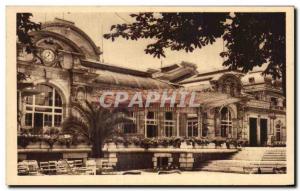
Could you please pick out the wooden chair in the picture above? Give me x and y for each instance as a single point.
(52, 167)
(44, 167)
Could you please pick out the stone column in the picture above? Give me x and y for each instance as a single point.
(112, 158)
(199, 119)
(186, 161)
(145, 122)
(160, 123)
(234, 128)
(258, 131)
(177, 123)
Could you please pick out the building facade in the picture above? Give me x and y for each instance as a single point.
(67, 69)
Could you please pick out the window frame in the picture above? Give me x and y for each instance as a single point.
(31, 107)
(193, 127)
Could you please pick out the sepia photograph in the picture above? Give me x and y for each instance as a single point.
(150, 96)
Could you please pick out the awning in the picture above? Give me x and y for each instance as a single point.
(30, 92)
(210, 98)
(23, 85)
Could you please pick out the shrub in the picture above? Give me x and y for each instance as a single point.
(175, 141)
(242, 142)
(218, 141)
(119, 140)
(50, 141)
(23, 141)
(52, 131)
(135, 140)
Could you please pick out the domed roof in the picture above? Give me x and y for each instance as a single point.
(74, 34)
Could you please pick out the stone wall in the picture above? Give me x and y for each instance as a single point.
(132, 161)
(199, 158)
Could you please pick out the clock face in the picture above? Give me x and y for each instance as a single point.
(48, 55)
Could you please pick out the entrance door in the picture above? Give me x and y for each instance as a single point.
(38, 122)
(253, 131)
(152, 131)
(263, 132)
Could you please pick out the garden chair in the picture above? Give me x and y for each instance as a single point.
(61, 167)
(23, 168)
(32, 166)
(52, 167)
(78, 163)
(106, 168)
(44, 167)
(91, 166)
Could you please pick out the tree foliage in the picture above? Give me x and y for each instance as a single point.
(95, 124)
(250, 39)
(24, 27)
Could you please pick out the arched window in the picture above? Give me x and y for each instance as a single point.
(226, 122)
(44, 109)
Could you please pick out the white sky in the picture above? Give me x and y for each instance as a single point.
(129, 53)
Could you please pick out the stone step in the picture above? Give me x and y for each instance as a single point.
(234, 166)
(236, 163)
(224, 169)
(274, 155)
(249, 160)
(277, 159)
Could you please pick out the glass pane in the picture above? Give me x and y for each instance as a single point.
(57, 120)
(58, 110)
(29, 100)
(48, 120)
(189, 131)
(195, 132)
(150, 115)
(58, 101)
(42, 109)
(45, 97)
(28, 119)
(169, 116)
(29, 108)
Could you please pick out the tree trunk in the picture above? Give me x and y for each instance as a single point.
(97, 149)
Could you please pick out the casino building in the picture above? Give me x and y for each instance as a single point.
(67, 69)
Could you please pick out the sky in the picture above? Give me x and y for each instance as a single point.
(129, 53)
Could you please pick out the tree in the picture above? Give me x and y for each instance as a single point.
(250, 39)
(24, 27)
(95, 124)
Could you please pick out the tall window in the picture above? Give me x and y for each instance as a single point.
(129, 128)
(226, 122)
(278, 132)
(151, 125)
(44, 109)
(192, 127)
(169, 124)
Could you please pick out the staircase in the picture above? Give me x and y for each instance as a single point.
(274, 155)
(250, 160)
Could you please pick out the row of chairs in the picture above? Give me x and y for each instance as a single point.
(68, 167)
(57, 167)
